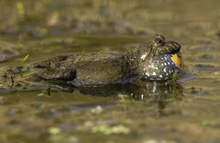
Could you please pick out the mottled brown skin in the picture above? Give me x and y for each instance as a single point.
(89, 69)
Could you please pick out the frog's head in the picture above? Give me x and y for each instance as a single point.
(159, 59)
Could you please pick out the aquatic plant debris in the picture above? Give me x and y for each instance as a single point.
(54, 130)
(97, 110)
(21, 65)
(21, 10)
(23, 60)
(108, 130)
(174, 77)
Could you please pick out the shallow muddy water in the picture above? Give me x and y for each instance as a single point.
(188, 112)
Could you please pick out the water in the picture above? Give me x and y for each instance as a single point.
(49, 28)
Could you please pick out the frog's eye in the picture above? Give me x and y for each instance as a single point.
(159, 40)
(158, 43)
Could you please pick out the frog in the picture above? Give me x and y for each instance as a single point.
(155, 61)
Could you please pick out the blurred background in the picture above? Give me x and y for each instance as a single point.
(49, 17)
(103, 24)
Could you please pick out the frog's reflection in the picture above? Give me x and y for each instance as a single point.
(157, 94)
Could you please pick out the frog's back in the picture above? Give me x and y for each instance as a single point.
(90, 69)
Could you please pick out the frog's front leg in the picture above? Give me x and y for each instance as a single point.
(59, 73)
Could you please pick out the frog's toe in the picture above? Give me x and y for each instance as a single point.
(70, 74)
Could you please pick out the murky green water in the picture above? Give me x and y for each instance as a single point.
(44, 29)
